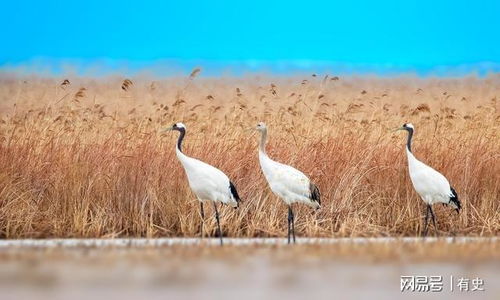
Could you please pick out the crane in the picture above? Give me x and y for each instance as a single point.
(286, 182)
(206, 181)
(431, 185)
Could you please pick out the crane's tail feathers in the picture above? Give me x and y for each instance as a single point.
(454, 202)
(314, 194)
(234, 193)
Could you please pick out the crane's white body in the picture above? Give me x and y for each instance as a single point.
(431, 185)
(206, 181)
(286, 182)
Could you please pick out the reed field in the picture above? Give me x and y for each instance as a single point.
(83, 157)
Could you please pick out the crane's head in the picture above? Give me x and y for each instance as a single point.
(407, 127)
(261, 127)
(176, 126)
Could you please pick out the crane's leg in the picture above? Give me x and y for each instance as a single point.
(202, 213)
(218, 222)
(426, 220)
(433, 219)
(293, 224)
(289, 222)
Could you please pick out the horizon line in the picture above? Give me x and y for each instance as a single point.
(212, 68)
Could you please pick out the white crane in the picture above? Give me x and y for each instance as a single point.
(207, 182)
(286, 182)
(431, 185)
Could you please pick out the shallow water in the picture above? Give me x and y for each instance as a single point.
(161, 271)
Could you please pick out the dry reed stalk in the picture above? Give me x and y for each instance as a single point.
(127, 84)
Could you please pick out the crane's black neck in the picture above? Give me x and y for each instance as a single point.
(182, 132)
(410, 135)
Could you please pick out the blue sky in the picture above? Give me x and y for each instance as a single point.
(407, 35)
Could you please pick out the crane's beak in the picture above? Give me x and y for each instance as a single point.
(397, 129)
(166, 129)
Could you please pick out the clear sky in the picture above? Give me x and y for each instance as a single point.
(387, 33)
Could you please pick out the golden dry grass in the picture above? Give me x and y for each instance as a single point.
(82, 157)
